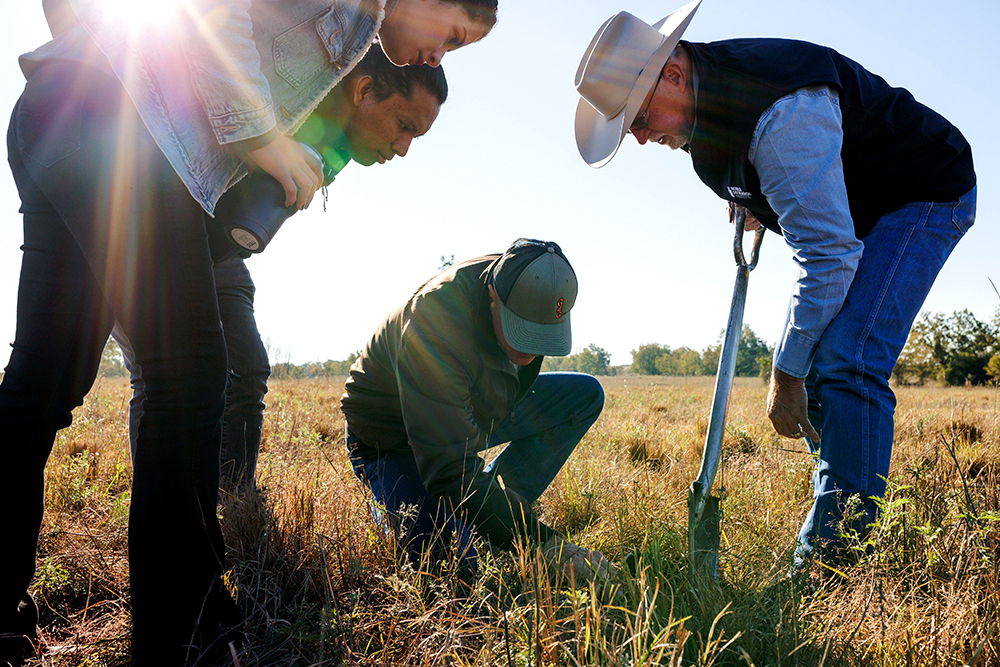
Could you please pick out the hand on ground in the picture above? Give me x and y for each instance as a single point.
(579, 564)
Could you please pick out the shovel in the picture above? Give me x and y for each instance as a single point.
(704, 513)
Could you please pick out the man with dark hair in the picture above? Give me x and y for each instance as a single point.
(376, 112)
(372, 116)
(452, 372)
(387, 79)
(870, 189)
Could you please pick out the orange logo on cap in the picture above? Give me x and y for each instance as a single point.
(559, 305)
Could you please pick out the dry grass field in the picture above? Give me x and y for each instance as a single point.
(316, 572)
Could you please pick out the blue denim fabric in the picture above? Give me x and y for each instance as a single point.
(542, 430)
(851, 403)
(267, 65)
(108, 235)
(248, 373)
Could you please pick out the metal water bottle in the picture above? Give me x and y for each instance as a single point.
(251, 212)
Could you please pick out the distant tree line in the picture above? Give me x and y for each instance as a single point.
(753, 358)
(314, 369)
(955, 350)
(592, 360)
(113, 364)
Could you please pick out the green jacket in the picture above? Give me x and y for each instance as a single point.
(434, 379)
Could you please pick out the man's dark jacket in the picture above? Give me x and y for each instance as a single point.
(433, 379)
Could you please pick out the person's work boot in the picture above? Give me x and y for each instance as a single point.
(19, 635)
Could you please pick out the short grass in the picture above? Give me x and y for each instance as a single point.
(316, 572)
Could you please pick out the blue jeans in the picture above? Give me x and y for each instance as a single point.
(543, 429)
(248, 373)
(851, 404)
(110, 232)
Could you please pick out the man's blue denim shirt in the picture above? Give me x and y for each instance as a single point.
(796, 152)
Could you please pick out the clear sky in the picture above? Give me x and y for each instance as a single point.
(649, 242)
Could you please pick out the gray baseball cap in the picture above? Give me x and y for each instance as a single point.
(537, 288)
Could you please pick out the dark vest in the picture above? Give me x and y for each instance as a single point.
(895, 149)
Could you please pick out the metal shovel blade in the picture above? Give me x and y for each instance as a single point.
(704, 538)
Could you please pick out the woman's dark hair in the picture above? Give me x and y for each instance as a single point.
(387, 79)
(484, 11)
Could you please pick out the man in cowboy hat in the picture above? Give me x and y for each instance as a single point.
(454, 371)
(870, 189)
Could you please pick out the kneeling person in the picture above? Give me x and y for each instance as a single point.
(454, 371)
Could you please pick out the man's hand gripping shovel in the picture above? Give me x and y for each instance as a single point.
(704, 513)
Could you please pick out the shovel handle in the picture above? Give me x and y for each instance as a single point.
(700, 536)
(738, 216)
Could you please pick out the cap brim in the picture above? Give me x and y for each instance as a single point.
(597, 136)
(550, 340)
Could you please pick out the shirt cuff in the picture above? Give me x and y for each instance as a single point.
(243, 125)
(794, 354)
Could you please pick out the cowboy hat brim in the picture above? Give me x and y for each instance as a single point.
(598, 136)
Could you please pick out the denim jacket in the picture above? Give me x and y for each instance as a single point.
(236, 71)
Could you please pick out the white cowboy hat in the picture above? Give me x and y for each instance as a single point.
(617, 71)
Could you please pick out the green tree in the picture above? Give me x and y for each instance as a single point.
(682, 361)
(645, 356)
(916, 363)
(749, 352)
(112, 361)
(993, 368)
(664, 364)
(752, 356)
(558, 365)
(333, 368)
(956, 349)
(687, 362)
(765, 362)
(287, 371)
(965, 348)
(710, 359)
(592, 360)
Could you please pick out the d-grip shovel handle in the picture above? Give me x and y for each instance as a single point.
(738, 216)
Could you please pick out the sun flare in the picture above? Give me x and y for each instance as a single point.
(140, 14)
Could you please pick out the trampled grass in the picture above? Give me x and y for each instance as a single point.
(316, 572)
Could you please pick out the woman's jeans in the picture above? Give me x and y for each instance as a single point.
(543, 429)
(851, 404)
(248, 372)
(110, 232)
